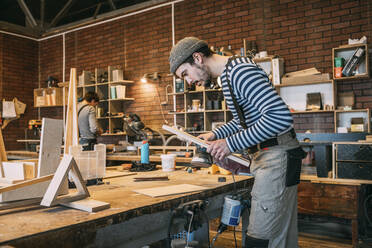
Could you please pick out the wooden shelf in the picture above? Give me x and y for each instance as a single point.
(121, 99)
(108, 105)
(122, 82)
(215, 110)
(359, 76)
(176, 113)
(195, 112)
(112, 134)
(175, 94)
(195, 92)
(312, 112)
(352, 110)
(305, 83)
(214, 90)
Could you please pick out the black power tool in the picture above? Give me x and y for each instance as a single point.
(201, 158)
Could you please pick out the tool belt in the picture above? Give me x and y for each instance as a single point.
(281, 139)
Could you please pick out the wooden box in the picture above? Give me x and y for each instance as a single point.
(45, 97)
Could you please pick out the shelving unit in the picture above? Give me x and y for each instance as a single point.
(294, 95)
(201, 118)
(343, 117)
(346, 52)
(108, 105)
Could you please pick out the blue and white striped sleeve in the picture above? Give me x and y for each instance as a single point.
(226, 130)
(252, 83)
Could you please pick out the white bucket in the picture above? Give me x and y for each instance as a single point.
(168, 162)
(231, 211)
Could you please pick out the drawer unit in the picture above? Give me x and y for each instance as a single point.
(352, 160)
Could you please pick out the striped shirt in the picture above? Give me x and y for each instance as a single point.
(266, 115)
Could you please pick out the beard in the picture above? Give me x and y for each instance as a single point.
(203, 74)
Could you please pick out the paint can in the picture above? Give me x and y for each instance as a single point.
(231, 211)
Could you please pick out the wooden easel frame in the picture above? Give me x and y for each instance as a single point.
(67, 165)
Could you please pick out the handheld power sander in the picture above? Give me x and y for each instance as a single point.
(201, 158)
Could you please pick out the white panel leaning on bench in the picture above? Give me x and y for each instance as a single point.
(68, 165)
(14, 170)
(50, 146)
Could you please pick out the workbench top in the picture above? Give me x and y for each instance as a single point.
(18, 226)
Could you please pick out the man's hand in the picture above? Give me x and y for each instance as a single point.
(207, 136)
(218, 149)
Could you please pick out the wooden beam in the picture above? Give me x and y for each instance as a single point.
(27, 13)
(42, 13)
(111, 4)
(3, 156)
(97, 10)
(26, 183)
(71, 128)
(61, 13)
(20, 30)
(104, 16)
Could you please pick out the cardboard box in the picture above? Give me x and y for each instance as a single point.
(357, 124)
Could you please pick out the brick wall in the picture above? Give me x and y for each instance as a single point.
(302, 32)
(19, 62)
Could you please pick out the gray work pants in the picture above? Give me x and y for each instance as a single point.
(273, 214)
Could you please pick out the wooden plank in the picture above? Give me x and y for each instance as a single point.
(50, 146)
(310, 71)
(301, 80)
(3, 156)
(26, 183)
(114, 174)
(170, 190)
(88, 205)
(30, 170)
(202, 143)
(21, 203)
(67, 165)
(158, 178)
(71, 129)
(7, 181)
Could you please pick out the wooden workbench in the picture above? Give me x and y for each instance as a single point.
(331, 197)
(133, 220)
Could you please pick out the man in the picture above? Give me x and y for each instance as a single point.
(88, 128)
(262, 124)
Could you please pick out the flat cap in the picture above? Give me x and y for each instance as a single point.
(184, 49)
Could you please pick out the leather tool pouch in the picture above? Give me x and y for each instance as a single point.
(294, 162)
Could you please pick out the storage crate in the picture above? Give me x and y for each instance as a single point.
(45, 97)
(92, 164)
